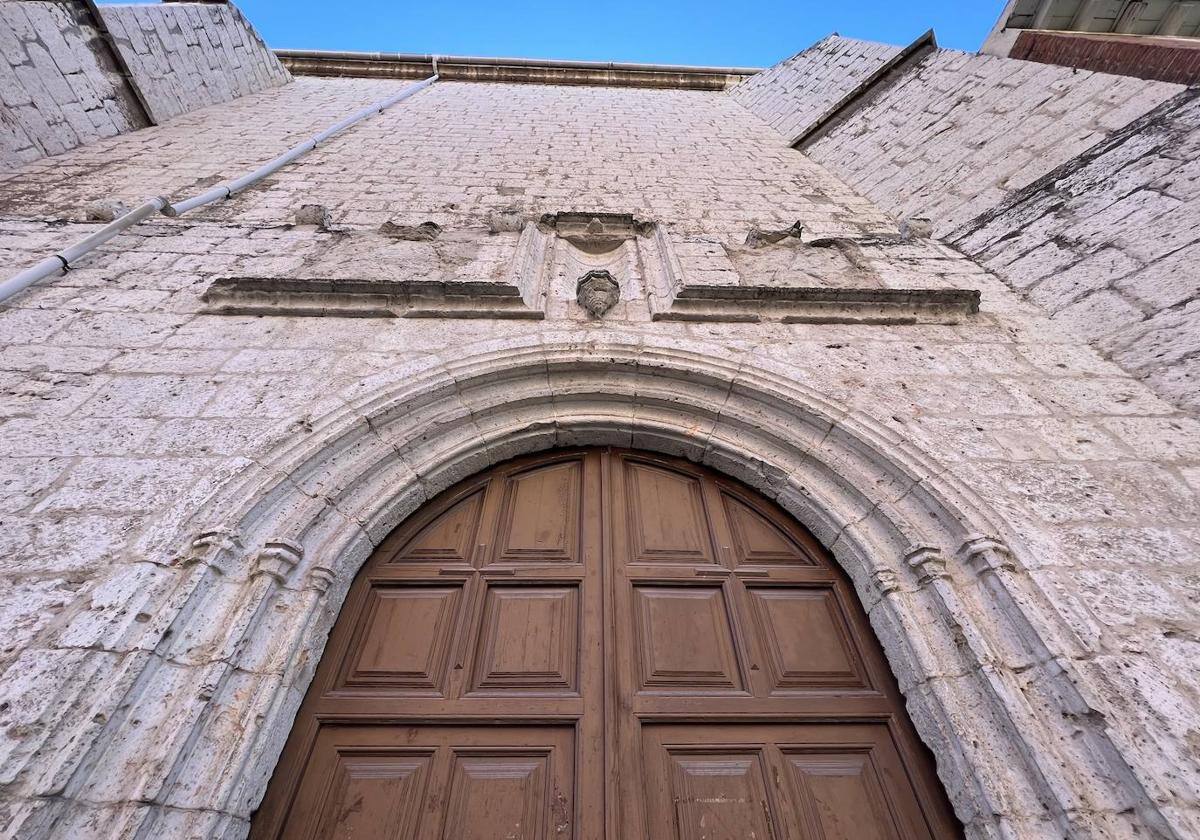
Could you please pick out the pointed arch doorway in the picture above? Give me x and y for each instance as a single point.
(602, 643)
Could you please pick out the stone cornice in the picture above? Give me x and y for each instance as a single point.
(452, 68)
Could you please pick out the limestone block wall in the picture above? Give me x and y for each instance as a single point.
(404, 167)
(1073, 186)
(795, 93)
(1109, 244)
(59, 87)
(188, 55)
(150, 667)
(951, 136)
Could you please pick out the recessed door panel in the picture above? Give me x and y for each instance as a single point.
(841, 795)
(497, 794)
(404, 638)
(375, 794)
(529, 639)
(758, 540)
(685, 639)
(718, 795)
(806, 638)
(449, 538)
(666, 516)
(540, 515)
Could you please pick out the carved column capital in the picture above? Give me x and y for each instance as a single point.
(216, 547)
(277, 558)
(928, 562)
(319, 579)
(985, 554)
(886, 580)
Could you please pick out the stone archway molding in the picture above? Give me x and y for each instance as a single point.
(214, 665)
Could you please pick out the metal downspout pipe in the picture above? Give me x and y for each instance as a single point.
(64, 259)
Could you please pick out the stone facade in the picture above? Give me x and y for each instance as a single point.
(1049, 175)
(59, 85)
(62, 86)
(187, 493)
(1079, 244)
(951, 136)
(184, 56)
(796, 93)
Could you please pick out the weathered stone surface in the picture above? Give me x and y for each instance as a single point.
(953, 135)
(314, 214)
(1104, 245)
(62, 89)
(188, 495)
(795, 93)
(188, 55)
(973, 142)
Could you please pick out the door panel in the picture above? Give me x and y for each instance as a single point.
(449, 538)
(528, 639)
(496, 793)
(757, 540)
(436, 782)
(806, 641)
(540, 515)
(712, 795)
(403, 640)
(372, 793)
(602, 645)
(685, 641)
(666, 516)
(841, 794)
(781, 782)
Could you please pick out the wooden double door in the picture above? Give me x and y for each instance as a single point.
(602, 644)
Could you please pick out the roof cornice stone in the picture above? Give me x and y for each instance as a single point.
(453, 68)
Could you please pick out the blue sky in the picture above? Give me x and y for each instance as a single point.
(674, 31)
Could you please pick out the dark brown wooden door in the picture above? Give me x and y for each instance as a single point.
(602, 644)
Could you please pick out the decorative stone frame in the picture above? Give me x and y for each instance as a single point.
(221, 643)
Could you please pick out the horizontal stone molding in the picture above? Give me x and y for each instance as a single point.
(509, 70)
(821, 305)
(350, 298)
(521, 295)
(676, 294)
